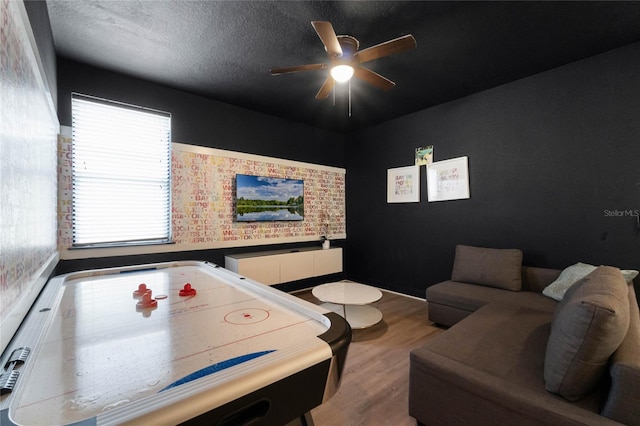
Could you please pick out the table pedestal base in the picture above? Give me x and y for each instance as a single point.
(358, 316)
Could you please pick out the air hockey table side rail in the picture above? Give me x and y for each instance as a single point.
(273, 389)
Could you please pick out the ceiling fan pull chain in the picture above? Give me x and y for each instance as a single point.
(349, 98)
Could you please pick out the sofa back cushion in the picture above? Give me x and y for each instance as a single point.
(499, 268)
(537, 279)
(588, 326)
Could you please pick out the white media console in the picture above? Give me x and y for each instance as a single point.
(281, 266)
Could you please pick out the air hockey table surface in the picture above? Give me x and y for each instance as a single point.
(205, 344)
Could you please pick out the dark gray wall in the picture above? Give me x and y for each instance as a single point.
(548, 155)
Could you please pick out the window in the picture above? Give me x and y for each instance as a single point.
(121, 174)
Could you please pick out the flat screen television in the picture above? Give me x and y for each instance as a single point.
(262, 198)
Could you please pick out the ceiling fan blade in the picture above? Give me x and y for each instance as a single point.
(326, 88)
(373, 78)
(387, 48)
(328, 36)
(309, 67)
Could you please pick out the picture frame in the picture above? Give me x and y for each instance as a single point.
(403, 184)
(424, 155)
(448, 180)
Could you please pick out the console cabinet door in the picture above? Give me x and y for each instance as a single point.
(327, 261)
(264, 269)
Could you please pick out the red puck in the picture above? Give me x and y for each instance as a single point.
(147, 302)
(187, 290)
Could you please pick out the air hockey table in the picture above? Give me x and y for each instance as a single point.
(170, 343)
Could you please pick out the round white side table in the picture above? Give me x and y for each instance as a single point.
(351, 300)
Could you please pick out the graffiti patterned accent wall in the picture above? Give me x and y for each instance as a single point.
(203, 194)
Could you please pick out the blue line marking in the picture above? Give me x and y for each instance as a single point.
(214, 368)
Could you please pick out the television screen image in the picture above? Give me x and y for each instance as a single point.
(261, 198)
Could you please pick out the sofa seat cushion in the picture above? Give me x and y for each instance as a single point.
(493, 361)
(471, 297)
(499, 268)
(589, 324)
(503, 339)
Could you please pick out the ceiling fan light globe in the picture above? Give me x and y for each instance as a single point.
(342, 73)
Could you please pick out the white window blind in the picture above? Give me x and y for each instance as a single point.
(121, 174)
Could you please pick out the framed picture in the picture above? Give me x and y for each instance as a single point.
(403, 185)
(424, 155)
(448, 180)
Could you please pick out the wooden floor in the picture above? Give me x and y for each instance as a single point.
(375, 383)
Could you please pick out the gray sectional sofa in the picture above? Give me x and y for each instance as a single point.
(514, 356)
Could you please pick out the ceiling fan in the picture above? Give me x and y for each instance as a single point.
(345, 58)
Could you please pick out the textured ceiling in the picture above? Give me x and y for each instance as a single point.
(225, 49)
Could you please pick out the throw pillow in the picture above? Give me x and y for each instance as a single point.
(569, 276)
(588, 326)
(499, 268)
